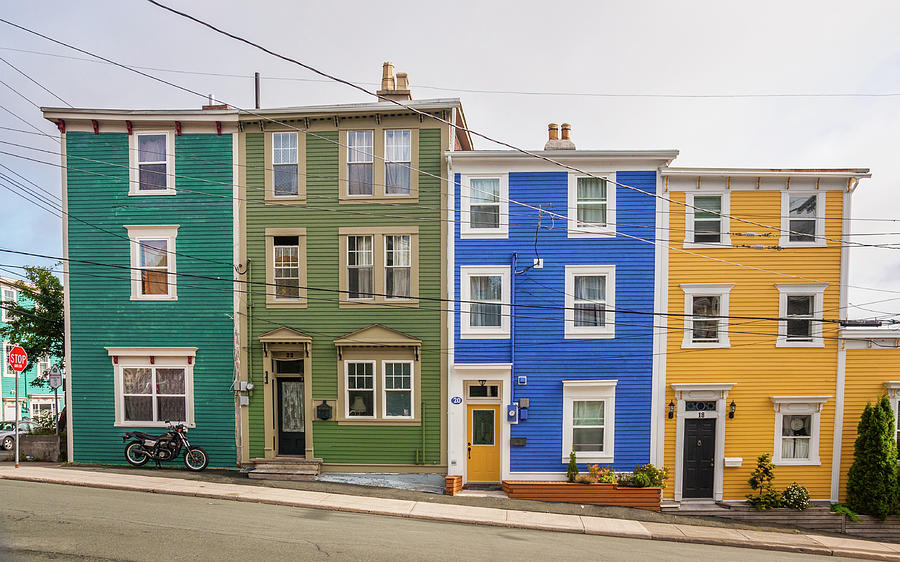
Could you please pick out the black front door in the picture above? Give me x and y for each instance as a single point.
(699, 457)
(291, 428)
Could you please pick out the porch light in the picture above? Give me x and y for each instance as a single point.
(481, 382)
(671, 409)
(731, 408)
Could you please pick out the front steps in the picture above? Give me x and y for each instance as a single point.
(283, 468)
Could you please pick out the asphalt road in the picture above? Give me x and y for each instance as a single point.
(49, 521)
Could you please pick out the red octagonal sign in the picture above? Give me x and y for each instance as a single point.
(18, 359)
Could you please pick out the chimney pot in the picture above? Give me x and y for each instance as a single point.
(565, 131)
(402, 81)
(387, 76)
(393, 90)
(553, 130)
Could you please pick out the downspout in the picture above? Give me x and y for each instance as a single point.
(512, 329)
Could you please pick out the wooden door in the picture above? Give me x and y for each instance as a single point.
(483, 443)
(699, 457)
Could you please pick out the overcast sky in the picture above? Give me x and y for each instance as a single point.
(665, 47)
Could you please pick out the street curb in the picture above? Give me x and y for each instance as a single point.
(408, 513)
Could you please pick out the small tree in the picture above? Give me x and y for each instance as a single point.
(572, 468)
(39, 330)
(765, 496)
(872, 485)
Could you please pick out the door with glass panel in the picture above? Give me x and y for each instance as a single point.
(483, 443)
(291, 418)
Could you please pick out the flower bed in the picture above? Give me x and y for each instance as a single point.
(595, 494)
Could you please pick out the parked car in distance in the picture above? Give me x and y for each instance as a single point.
(8, 433)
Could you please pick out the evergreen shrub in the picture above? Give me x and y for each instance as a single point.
(872, 483)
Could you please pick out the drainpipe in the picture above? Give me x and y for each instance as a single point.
(512, 329)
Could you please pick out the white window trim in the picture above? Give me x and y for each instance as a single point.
(483, 332)
(590, 332)
(4, 356)
(465, 205)
(798, 406)
(146, 232)
(817, 291)
(724, 221)
(574, 231)
(134, 183)
(589, 390)
(785, 238)
(691, 290)
(6, 315)
(163, 357)
(412, 390)
(347, 389)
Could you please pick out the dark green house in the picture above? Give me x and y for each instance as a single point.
(344, 218)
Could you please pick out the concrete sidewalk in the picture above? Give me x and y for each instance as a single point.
(798, 543)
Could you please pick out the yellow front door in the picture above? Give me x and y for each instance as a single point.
(483, 445)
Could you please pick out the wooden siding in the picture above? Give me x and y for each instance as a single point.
(866, 372)
(542, 352)
(324, 321)
(102, 312)
(759, 369)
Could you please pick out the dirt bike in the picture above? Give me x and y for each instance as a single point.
(166, 447)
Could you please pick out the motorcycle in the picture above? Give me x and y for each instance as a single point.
(164, 447)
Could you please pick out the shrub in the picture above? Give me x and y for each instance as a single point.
(872, 485)
(655, 476)
(572, 469)
(765, 496)
(44, 423)
(795, 496)
(623, 479)
(640, 480)
(840, 508)
(585, 479)
(605, 475)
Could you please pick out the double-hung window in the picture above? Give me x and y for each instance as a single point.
(360, 154)
(484, 292)
(397, 161)
(591, 206)
(360, 263)
(397, 389)
(589, 420)
(706, 220)
(706, 314)
(151, 171)
(484, 210)
(43, 367)
(397, 266)
(800, 309)
(7, 370)
(8, 298)
(287, 267)
(153, 262)
(284, 164)
(797, 429)
(360, 384)
(590, 301)
(803, 219)
(153, 386)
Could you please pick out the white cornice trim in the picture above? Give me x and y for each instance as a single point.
(768, 172)
(155, 351)
(717, 386)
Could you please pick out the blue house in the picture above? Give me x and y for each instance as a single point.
(555, 343)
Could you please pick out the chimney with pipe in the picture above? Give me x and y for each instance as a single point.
(397, 90)
(211, 99)
(556, 143)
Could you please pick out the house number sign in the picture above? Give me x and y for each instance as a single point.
(456, 400)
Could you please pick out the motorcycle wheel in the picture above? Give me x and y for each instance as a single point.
(8, 443)
(135, 455)
(196, 459)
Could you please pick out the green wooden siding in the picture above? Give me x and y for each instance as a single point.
(324, 321)
(102, 314)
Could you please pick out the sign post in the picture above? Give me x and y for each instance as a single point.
(55, 379)
(18, 360)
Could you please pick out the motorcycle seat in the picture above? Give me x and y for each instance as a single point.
(142, 435)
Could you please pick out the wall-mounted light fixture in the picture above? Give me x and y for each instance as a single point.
(481, 382)
(731, 409)
(671, 409)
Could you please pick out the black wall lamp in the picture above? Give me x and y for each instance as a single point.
(671, 409)
(731, 409)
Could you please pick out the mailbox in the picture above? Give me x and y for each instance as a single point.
(323, 411)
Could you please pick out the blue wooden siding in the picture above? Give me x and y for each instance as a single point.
(542, 352)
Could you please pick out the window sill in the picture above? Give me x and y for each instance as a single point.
(798, 462)
(354, 199)
(706, 246)
(487, 234)
(589, 335)
(380, 303)
(299, 303)
(592, 233)
(154, 299)
(379, 422)
(287, 200)
(705, 345)
(484, 336)
(814, 343)
(589, 458)
(189, 425)
(152, 193)
(785, 244)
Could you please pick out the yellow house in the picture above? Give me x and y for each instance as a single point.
(872, 371)
(755, 290)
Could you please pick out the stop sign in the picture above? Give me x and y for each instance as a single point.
(18, 359)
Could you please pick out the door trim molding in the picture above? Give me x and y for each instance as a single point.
(701, 391)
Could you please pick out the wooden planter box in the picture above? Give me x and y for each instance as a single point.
(874, 528)
(452, 485)
(595, 494)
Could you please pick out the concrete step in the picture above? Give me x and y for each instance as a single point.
(283, 468)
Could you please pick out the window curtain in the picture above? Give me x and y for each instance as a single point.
(485, 288)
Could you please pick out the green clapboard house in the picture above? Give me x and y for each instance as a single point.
(345, 216)
(149, 241)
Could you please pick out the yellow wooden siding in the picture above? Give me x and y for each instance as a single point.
(759, 368)
(866, 372)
